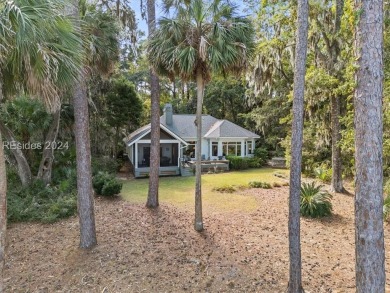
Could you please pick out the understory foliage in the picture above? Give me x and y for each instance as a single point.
(259, 184)
(106, 184)
(315, 202)
(41, 203)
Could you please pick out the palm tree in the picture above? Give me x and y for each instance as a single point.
(152, 201)
(99, 31)
(203, 37)
(36, 54)
(295, 278)
(369, 238)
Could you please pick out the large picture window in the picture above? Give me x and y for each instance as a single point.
(231, 148)
(214, 149)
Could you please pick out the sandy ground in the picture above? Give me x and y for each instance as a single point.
(144, 251)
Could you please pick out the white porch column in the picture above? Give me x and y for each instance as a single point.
(220, 150)
(178, 154)
(243, 148)
(136, 155)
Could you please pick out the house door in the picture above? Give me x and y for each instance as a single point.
(146, 158)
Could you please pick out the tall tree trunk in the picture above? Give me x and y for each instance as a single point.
(152, 201)
(24, 170)
(46, 165)
(85, 200)
(337, 180)
(3, 202)
(295, 278)
(370, 253)
(200, 85)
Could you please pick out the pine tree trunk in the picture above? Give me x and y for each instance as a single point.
(152, 201)
(337, 180)
(370, 254)
(3, 202)
(24, 170)
(200, 85)
(46, 165)
(85, 200)
(295, 278)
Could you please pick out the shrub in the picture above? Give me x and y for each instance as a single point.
(386, 208)
(38, 202)
(255, 162)
(106, 184)
(315, 202)
(259, 184)
(323, 174)
(104, 164)
(238, 163)
(225, 188)
(261, 154)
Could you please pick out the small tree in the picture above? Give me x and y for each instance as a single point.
(124, 108)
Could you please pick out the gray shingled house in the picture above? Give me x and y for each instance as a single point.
(178, 142)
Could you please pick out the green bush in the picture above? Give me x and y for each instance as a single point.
(106, 184)
(259, 184)
(315, 202)
(262, 155)
(38, 202)
(386, 208)
(238, 163)
(255, 162)
(323, 174)
(105, 164)
(225, 188)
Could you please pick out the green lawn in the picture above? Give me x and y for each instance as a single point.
(179, 191)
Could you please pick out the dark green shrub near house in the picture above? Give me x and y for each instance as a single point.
(238, 163)
(261, 154)
(106, 184)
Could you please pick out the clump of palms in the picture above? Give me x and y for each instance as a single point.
(203, 37)
(315, 202)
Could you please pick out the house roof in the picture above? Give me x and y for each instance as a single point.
(183, 125)
(144, 130)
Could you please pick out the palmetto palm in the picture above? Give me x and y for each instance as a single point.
(202, 38)
(37, 56)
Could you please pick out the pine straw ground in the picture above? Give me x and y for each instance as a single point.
(144, 251)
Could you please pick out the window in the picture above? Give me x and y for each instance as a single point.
(190, 150)
(249, 147)
(214, 149)
(231, 148)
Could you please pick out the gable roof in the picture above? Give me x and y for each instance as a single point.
(183, 125)
(144, 130)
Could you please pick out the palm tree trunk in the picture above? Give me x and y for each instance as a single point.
(295, 278)
(369, 238)
(152, 201)
(24, 170)
(337, 180)
(200, 85)
(3, 202)
(46, 165)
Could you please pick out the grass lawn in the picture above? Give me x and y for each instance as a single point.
(179, 191)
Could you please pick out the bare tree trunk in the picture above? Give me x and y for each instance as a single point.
(46, 165)
(200, 85)
(337, 179)
(295, 278)
(370, 253)
(3, 201)
(152, 201)
(85, 200)
(24, 170)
